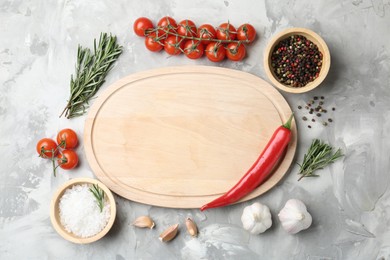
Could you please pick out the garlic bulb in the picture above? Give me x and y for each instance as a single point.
(294, 216)
(256, 218)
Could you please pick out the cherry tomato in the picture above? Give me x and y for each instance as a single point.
(206, 31)
(174, 45)
(142, 25)
(193, 49)
(67, 138)
(215, 51)
(226, 31)
(153, 43)
(235, 51)
(67, 159)
(246, 32)
(47, 148)
(186, 28)
(166, 24)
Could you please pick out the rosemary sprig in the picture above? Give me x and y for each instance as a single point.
(91, 70)
(317, 157)
(98, 193)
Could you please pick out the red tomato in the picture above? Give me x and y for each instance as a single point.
(67, 138)
(235, 51)
(206, 31)
(174, 45)
(226, 31)
(186, 28)
(142, 25)
(215, 51)
(193, 49)
(246, 32)
(67, 159)
(166, 24)
(47, 148)
(153, 43)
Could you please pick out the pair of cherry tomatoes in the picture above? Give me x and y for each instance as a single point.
(60, 151)
(194, 42)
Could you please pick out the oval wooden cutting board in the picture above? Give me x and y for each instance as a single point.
(181, 136)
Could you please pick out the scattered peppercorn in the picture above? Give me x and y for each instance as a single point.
(296, 61)
(315, 106)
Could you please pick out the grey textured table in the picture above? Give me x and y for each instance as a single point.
(350, 202)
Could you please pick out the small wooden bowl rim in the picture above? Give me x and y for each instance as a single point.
(310, 35)
(54, 211)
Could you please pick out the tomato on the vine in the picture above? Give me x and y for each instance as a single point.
(154, 43)
(246, 32)
(166, 24)
(67, 139)
(193, 49)
(67, 159)
(226, 31)
(174, 45)
(215, 51)
(47, 148)
(186, 28)
(142, 25)
(235, 51)
(206, 32)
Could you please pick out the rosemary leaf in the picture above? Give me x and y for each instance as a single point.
(98, 193)
(318, 156)
(91, 68)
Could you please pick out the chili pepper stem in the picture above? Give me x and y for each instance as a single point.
(288, 123)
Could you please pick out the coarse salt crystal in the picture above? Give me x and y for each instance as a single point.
(80, 213)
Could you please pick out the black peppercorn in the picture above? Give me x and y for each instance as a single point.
(296, 58)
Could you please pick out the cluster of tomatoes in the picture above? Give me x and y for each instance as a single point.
(184, 37)
(61, 151)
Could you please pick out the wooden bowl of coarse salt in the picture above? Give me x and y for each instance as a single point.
(297, 60)
(83, 210)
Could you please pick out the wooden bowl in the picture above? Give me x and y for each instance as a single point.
(55, 218)
(313, 37)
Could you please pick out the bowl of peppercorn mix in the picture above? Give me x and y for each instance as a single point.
(297, 60)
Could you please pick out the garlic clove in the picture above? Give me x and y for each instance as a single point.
(169, 234)
(294, 217)
(191, 227)
(144, 222)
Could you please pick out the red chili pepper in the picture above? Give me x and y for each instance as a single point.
(259, 171)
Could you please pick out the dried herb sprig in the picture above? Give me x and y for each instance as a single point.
(98, 193)
(91, 70)
(317, 157)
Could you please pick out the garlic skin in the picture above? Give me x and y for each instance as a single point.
(294, 216)
(256, 218)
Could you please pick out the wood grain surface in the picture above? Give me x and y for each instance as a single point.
(181, 136)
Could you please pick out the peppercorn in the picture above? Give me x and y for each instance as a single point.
(294, 58)
(315, 106)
